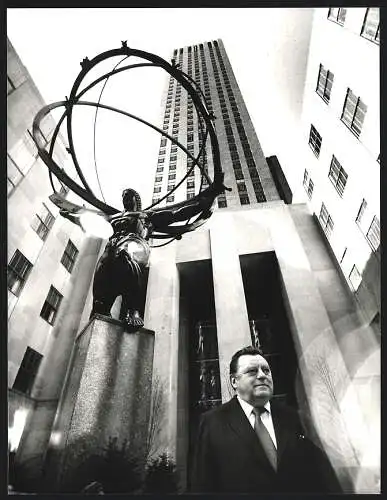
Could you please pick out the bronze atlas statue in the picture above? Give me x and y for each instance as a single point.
(121, 267)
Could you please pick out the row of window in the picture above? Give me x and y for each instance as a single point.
(370, 28)
(354, 109)
(372, 234)
(19, 267)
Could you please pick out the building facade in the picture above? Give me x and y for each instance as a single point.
(45, 253)
(258, 272)
(341, 126)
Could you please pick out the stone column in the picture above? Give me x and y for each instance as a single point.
(232, 320)
(106, 395)
(162, 316)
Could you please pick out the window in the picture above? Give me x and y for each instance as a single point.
(315, 141)
(155, 200)
(170, 199)
(14, 174)
(344, 253)
(353, 112)
(324, 83)
(361, 211)
(190, 195)
(326, 220)
(171, 177)
(159, 169)
(172, 167)
(337, 175)
(69, 256)
(18, 270)
(163, 143)
(305, 181)
(158, 178)
(190, 184)
(244, 199)
(170, 187)
(51, 305)
(27, 371)
(173, 158)
(355, 278)
(157, 189)
(310, 189)
(337, 14)
(43, 222)
(241, 187)
(222, 202)
(238, 174)
(370, 27)
(373, 234)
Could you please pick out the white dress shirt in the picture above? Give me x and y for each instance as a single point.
(265, 417)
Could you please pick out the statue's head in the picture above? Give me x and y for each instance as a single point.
(131, 200)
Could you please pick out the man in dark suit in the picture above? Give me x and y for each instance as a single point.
(252, 444)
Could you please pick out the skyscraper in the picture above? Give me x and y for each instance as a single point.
(242, 159)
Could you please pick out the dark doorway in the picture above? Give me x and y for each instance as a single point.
(269, 325)
(199, 381)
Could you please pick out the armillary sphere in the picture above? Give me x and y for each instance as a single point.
(198, 206)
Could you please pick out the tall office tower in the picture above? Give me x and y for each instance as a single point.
(45, 253)
(242, 159)
(341, 125)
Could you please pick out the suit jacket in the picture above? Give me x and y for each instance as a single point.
(229, 456)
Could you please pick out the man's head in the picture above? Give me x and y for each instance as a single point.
(131, 200)
(250, 376)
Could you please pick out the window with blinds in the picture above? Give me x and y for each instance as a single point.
(51, 305)
(27, 371)
(69, 256)
(326, 221)
(18, 270)
(373, 234)
(324, 83)
(337, 14)
(371, 27)
(43, 222)
(315, 141)
(353, 113)
(337, 175)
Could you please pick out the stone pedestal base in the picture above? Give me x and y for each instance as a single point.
(106, 396)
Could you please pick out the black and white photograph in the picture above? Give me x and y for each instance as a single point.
(193, 250)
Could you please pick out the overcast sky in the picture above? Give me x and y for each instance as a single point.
(267, 49)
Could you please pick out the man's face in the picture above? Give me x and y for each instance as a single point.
(253, 381)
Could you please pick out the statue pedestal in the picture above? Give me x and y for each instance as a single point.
(106, 395)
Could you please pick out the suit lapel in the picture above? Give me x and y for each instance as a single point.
(239, 423)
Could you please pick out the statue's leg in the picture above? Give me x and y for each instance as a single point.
(132, 289)
(104, 288)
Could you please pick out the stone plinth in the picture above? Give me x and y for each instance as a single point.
(106, 395)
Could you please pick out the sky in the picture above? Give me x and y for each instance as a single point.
(267, 49)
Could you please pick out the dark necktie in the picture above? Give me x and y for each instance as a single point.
(264, 437)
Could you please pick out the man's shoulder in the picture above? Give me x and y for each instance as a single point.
(221, 410)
